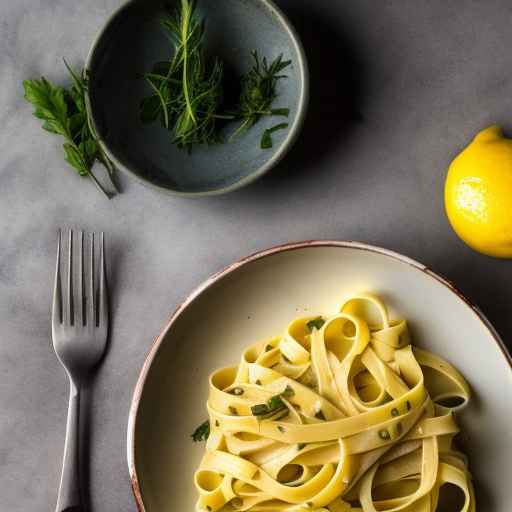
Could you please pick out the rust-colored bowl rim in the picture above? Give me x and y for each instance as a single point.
(249, 259)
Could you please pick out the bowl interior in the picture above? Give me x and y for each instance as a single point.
(133, 40)
(256, 301)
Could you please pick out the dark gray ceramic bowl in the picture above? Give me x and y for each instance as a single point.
(133, 40)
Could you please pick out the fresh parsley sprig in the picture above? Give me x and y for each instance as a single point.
(64, 112)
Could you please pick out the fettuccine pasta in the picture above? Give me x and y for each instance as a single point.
(338, 414)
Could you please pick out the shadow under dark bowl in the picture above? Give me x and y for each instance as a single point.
(133, 40)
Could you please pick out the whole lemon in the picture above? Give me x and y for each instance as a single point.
(478, 194)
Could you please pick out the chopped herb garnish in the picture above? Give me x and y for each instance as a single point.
(301, 446)
(281, 429)
(384, 435)
(316, 323)
(288, 392)
(202, 432)
(259, 409)
(275, 403)
(395, 412)
(268, 348)
(237, 391)
(233, 410)
(320, 415)
(408, 405)
(266, 139)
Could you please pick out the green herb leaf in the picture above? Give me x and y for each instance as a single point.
(316, 323)
(259, 409)
(75, 159)
(63, 112)
(288, 392)
(89, 149)
(274, 404)
(202, 432)
(280, 112)
(266, 139)
(76, 125)
(49, 104)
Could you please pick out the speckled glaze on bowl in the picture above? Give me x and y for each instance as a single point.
(252, 300)
(129, 44)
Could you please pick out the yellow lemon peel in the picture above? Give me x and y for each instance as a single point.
(478, 193)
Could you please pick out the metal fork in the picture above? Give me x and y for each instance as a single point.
(79, 331)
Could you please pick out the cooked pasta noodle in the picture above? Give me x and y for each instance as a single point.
(339, 414)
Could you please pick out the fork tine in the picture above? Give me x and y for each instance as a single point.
(103, 300)
(57, 290)
(81, 297)
(69, 304)
(91, 314)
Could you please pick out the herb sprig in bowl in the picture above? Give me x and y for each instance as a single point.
(188, 91)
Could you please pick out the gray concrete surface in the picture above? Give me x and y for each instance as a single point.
(398, 88)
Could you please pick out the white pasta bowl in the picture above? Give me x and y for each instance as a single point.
(255, 299)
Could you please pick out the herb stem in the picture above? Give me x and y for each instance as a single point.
(224, 116)
(187, 10)
(162, 101)
(240, 129)
(110, 168)
(98, 185)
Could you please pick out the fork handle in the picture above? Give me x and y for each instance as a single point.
(69, 498)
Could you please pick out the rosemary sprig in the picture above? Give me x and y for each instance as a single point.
(187, 93)
(64, 112)
(259, 90)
